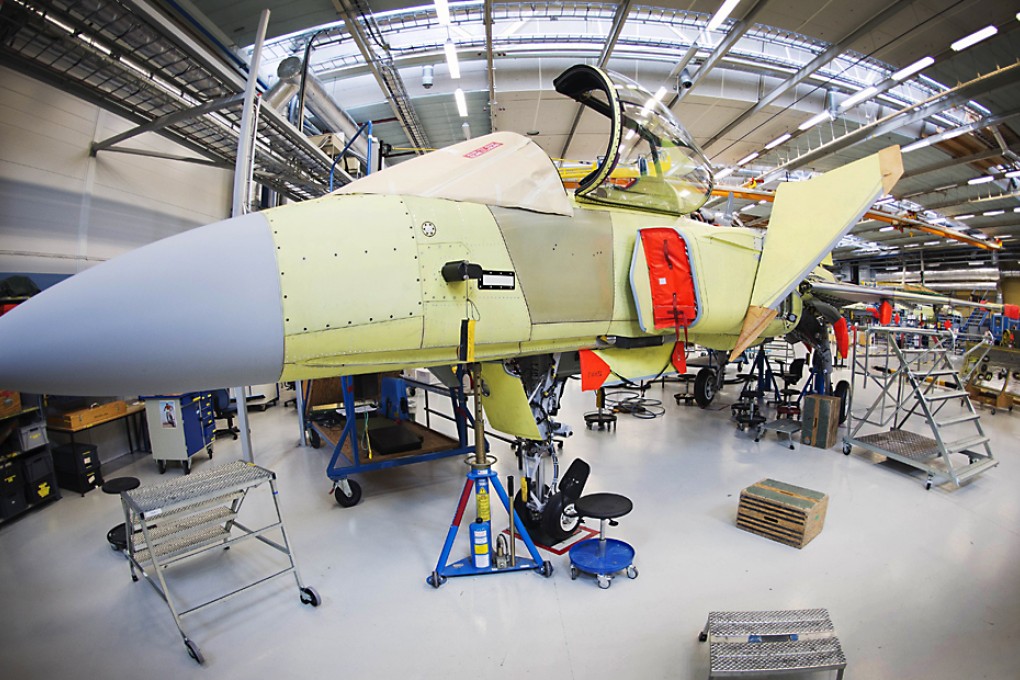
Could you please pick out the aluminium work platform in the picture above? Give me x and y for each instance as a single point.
(192, 515)
(918, 382)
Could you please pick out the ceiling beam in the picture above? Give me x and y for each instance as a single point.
(490, 70)
(386, 75)
(736, 32)
(961, 160)
(824, 58)
(619, 19)
(960, 94)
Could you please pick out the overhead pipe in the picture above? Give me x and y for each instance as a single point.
(318, 101)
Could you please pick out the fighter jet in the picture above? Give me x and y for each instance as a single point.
(399, 269)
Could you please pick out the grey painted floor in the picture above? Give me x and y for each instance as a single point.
(919, 584)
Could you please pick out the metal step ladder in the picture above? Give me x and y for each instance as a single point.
(918, 382)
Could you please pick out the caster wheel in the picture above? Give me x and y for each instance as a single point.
(435, 580)
(161, 464)
(193, 651)
(702, 636)
(546, 569)
(604, 582)
(134, 578)
(632, 572)
(348, 500)
(187, 467)
(927, 485)
(847, 449)
(209, 451)
(314, 439)
(310, 596)
(573, 573)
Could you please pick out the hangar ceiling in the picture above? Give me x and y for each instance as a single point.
(828, 74)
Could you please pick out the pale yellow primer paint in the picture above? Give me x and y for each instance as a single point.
(633, 364)
(506, 404)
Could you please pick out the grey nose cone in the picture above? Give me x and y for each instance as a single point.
(195, 311)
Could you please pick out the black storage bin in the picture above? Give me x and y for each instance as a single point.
(40, 482)
(12, 504)
(10, 478)
(76, 458)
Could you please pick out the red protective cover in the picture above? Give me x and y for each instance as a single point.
(842, 337)
(885, 313)
(594, 370)
(674, 302)
(1011, 311)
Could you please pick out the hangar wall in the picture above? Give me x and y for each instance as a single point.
(61, 210)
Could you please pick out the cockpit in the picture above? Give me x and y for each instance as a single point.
(651, 162)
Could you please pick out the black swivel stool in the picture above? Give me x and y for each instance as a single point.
(117, 536)
(602, 557)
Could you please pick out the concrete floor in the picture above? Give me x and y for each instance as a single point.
(919, 584)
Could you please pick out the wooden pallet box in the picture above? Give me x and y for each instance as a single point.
(782, 512)
(10, 403)
(820, 420)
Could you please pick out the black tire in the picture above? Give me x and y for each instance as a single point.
(704, 387)
(161, 465)
(531, 521)
(843, 392)
(193, 651)
(345, 500)
(555, 524)
(547, 569)
(313, 438)
(310, 596)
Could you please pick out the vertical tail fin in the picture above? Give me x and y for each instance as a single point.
(808, 220)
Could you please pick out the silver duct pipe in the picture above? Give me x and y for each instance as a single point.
(317, 100)
(982, 274)
(963, 285)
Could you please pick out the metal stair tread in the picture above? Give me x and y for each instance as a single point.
(975, 468)
(954, 394)
(957, 420)
(964, 444)
(163, 530)
(192, 542)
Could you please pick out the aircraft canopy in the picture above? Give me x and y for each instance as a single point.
(651, 162)
(503, 169)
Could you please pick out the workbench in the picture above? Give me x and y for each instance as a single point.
(139, 442)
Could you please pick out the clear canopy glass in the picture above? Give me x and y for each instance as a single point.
(652, 163)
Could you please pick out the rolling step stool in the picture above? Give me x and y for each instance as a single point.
(771, 643)
(602, 557)
(117, 536)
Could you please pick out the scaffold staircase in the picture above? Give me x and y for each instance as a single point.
(972, 325)
(917, 381)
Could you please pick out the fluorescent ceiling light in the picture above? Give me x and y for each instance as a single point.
(887, 228)
(722, 14)
(778, 140)
(1004, 236)
(977, 263)
(992, 213)
(814, 120)
(911, 245)
(1013, 173)
(930, 243)
(919, 144)
(1016, 210)
(725, 172)
(748, 158)
(659, 94)
(980, 180)
(858, 98)
(442, 12)
(451, 59)
(458, 94)
(963, 217)
(974, 38)
(908, 71)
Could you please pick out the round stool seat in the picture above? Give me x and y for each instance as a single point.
(117, 537)
(603, 505)
(119, 485)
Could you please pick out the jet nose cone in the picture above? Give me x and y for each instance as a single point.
(198, 310)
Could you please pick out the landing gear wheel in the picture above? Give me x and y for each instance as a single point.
(193, 651)
(573, 573)
(531, 520)
(604, 582)
(314, 440)
(546, 569)
(161, 464)
(842, 390)
(555, 523)
(704, 387)
(632, 572)
(435, 580)
(348, 500)
(310, 596)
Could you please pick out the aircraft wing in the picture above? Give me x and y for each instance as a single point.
(842, 294)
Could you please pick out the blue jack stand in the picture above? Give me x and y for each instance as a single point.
(479, 479)
(602, 557)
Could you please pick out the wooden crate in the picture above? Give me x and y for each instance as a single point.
(820, 419)
(10, 403)
(86, 417)
(782, 512)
